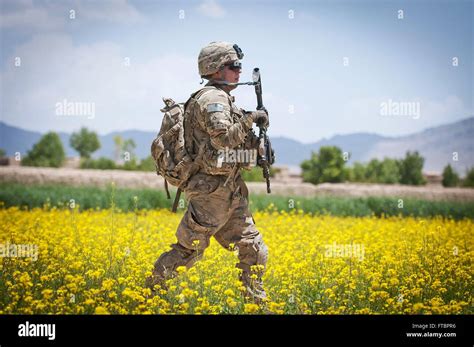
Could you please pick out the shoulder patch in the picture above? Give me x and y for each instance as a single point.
(215, 107)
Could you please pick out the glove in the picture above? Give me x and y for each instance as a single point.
(260, 117)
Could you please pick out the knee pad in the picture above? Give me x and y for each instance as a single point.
(261, 249)
(252, 252)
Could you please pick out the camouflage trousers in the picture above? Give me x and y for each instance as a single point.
(222, 212)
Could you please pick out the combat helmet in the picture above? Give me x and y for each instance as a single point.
(217, 54)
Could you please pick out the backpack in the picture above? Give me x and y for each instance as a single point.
(168, 149)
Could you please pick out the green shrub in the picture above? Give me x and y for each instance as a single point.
(48, 151)
(450, 177)
(411, 169)
(469, 180)
(85, 142)
(325, 166)
(100, 164)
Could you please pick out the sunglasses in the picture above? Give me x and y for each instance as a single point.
(235, 66)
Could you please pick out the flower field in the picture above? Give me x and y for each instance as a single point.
(95, 261)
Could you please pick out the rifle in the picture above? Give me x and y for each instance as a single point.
(266, 155)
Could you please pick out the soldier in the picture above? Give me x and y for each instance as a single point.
(217, 196)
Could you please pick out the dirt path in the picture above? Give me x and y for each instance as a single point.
(135, 179)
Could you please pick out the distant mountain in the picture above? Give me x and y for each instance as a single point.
(13, 139)
(435, 144)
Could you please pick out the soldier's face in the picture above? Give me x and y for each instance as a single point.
(231, 74)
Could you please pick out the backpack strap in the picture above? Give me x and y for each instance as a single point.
(196, 95)
(193, 123)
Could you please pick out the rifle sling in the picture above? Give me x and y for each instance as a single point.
(167, 190)
(176, 200)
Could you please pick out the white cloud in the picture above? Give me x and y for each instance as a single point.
(211, 9)
(54, 69)
(26, 15)
(118, 11)
(44, 16)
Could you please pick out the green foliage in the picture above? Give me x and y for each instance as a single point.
(118, 147)
(85, 197)
(99, 164)
(385, 171)
(129, 146)
(124, 151)
(48, 151)
(2, 153)
(389, 171)
(147, 164)
(450, 177)
(103, 163)
(357, 173)
(253, 175)
(325, 166)
(91, 198)
(469, 180)
(372, 171)
(130, 165)
(85, 142)
(411, 169)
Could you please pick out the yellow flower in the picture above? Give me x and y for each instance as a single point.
(250, 308)
(394, 282)
(101, 310)
(231, 302)
(89, 302)
(314, 262)
(229, 292)
(187, 292)
(108, 284)
(181, 269)
(47, 294)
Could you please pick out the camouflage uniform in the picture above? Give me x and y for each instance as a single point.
(217, 196)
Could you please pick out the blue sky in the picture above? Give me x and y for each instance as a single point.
(300, 47)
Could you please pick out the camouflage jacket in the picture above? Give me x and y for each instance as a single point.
(224, 131)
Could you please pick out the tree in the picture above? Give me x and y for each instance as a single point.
(2, 153)
(450, 177)
(128, 149)
(118, 141)
(372, 172)
(357, 173)
(469, 180)
(124, 152)
(389, 171)
(85, 142)
(411, 169)
(325, 166)
(48, 151)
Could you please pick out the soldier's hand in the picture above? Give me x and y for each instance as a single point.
(260, 117)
